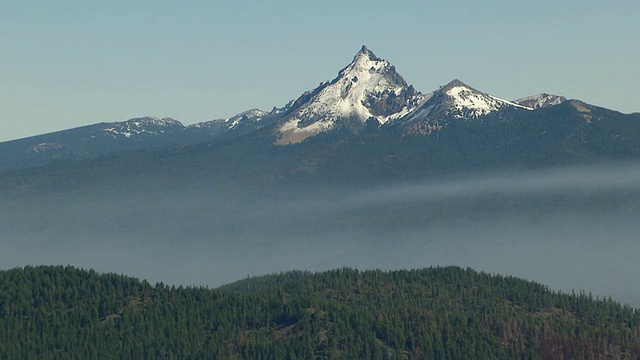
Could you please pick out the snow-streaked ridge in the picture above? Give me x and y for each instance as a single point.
(541, 100)
(249, 116)
(153, 120)
(148, 125)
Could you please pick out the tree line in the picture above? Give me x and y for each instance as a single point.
(56, 312)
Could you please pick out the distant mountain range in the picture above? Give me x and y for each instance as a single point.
(369, 100)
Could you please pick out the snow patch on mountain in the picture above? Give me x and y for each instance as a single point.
(155, 121)
(541, 100)
(45, 147)
(149, 125)
(253, 115)
(246, 117)
(207, 124)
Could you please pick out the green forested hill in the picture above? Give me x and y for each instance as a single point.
(442, 313)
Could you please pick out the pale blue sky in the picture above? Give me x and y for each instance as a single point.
(70, 63)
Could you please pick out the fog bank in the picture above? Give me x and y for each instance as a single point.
(570, 229)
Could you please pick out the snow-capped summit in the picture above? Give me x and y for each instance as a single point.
(369, 87)
(540, 100)
(454, 101)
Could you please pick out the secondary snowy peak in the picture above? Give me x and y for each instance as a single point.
(465, 102)
(541, 100)
(454, 101)
(369, 87)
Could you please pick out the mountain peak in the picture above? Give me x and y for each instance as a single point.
(366, 54)
(454, 83)
(365, 62)
(369, 87)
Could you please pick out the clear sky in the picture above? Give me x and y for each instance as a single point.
(68, 63)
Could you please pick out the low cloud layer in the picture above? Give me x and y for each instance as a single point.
(572, 229)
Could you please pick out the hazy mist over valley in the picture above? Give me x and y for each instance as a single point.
(569, 228)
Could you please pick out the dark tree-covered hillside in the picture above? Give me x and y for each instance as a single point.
(439, 313)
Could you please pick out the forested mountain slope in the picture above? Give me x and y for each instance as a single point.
(443, 313)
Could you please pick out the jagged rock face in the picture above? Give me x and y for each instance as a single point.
(387, 103)
(367, 88)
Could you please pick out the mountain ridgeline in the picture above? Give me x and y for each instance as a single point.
(435, 313)
(372, 112)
